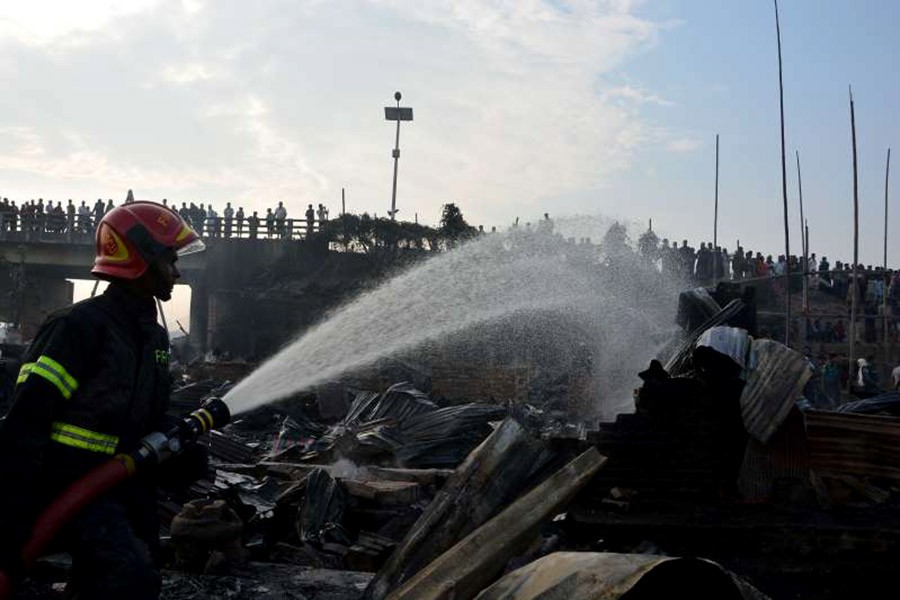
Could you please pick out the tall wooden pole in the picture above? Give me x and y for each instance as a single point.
(716, 256)
(343, 203)
(884, 272)
(787, 234)
(804, 242)
(854, 282)
(800, 191)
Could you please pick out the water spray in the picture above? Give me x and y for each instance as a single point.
(494, 279)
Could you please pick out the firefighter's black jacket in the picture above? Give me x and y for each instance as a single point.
(93, 383)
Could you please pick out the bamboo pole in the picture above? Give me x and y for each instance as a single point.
(716, 256)
(804, 242)
(800, 192)
(806, 256)
(884, 272)
(854, 283)
(787, 235)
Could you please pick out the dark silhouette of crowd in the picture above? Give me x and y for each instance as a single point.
(877, 289)
(38, 216)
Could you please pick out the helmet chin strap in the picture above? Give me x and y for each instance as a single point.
(162, 316)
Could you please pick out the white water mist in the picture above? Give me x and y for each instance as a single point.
(496, 278)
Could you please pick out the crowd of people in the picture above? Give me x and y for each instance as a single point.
(36, 216)
(703, 266)
(877, 290)
(832, 373)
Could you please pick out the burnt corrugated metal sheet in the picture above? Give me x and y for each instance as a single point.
(694, 307)
(730, 341)
(853, 444)
(784, 459)
(679, 360)
(775, 381)
(888, 403)
(227, 449)
(607, 576)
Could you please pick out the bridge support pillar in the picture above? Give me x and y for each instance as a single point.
(40, 297)
(200, 316)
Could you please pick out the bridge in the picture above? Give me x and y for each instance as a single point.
(36, 262)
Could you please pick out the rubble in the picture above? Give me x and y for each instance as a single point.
(722, 474)
(266, 581)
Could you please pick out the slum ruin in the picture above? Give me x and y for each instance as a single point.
(461, 470)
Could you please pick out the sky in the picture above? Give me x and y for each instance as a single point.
(571, 107)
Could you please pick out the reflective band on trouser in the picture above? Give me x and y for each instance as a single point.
(53, 372)
(78, 437)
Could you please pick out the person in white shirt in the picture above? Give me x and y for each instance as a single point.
(280, 216)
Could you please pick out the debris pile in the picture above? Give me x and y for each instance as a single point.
(725, 458)
(392, 488)
(401, 495)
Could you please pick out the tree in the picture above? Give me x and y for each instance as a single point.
(454, 226)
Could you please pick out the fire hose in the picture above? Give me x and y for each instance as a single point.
(154, 449)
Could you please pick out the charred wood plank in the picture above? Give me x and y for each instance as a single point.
(474, 562)
(491, 476)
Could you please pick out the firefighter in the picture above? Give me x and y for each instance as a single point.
(95, 380)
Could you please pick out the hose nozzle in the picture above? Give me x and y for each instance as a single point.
(159, 446)
(212, 414)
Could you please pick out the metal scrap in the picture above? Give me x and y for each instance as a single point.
(776, 380)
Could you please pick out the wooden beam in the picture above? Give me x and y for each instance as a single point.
(472, 564)
(490, 478)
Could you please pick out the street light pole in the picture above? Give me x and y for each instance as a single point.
(396, 154)
(398, 114)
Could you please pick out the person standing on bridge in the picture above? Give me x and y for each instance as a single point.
(253, 223)
(84, 217)
(228, 214)
(184, 213)
(201, 220)
(280, 216)
(99, 209)
(70, 216)
(240, 221)
(4, 214)
(270, 222)
(212, 222)
(310, 220)
(94, 382)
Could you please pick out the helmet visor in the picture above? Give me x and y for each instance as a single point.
(192, 248)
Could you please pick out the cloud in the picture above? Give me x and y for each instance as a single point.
(42, 22)
(635, 95)
(684, 144)
(281, 99)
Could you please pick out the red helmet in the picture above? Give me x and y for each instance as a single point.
(133, 235)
